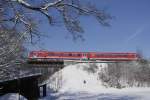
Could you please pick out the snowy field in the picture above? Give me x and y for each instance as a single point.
(108, 94)
(75, 82)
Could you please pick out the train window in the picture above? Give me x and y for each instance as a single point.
(101, 55)
(74, 54)
(70, 54)
(67, 54)
(78, 54)
(61, 54)
(123, 55)
(98, 55)
(51, 54)
(58, 54)
(64, 54)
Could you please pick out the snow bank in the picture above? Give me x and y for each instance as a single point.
(77, 78)
(12, 96)
(110, 94)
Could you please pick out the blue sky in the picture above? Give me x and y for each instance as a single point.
(129, 31)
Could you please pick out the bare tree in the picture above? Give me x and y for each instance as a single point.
(19, 22)
(11, 48)
(21, 14)
(127, 74)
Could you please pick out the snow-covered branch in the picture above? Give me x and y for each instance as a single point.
(69, 11)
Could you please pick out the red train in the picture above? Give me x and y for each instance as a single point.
(102, 56)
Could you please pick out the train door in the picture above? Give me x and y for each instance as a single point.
(84, 56)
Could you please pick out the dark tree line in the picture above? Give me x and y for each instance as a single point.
(127, 74)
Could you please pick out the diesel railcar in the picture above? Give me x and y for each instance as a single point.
(101, 56)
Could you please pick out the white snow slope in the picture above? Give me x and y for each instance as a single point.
(76, 78)
(70, 84)
(75, 83)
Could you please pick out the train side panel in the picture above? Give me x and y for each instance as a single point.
(83, 55)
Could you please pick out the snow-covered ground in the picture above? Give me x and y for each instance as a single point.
(108, 94)
(12, 96)
(77, 82)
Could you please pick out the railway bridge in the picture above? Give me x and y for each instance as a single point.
(29, 85)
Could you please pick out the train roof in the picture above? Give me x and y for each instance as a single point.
(40, 51)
